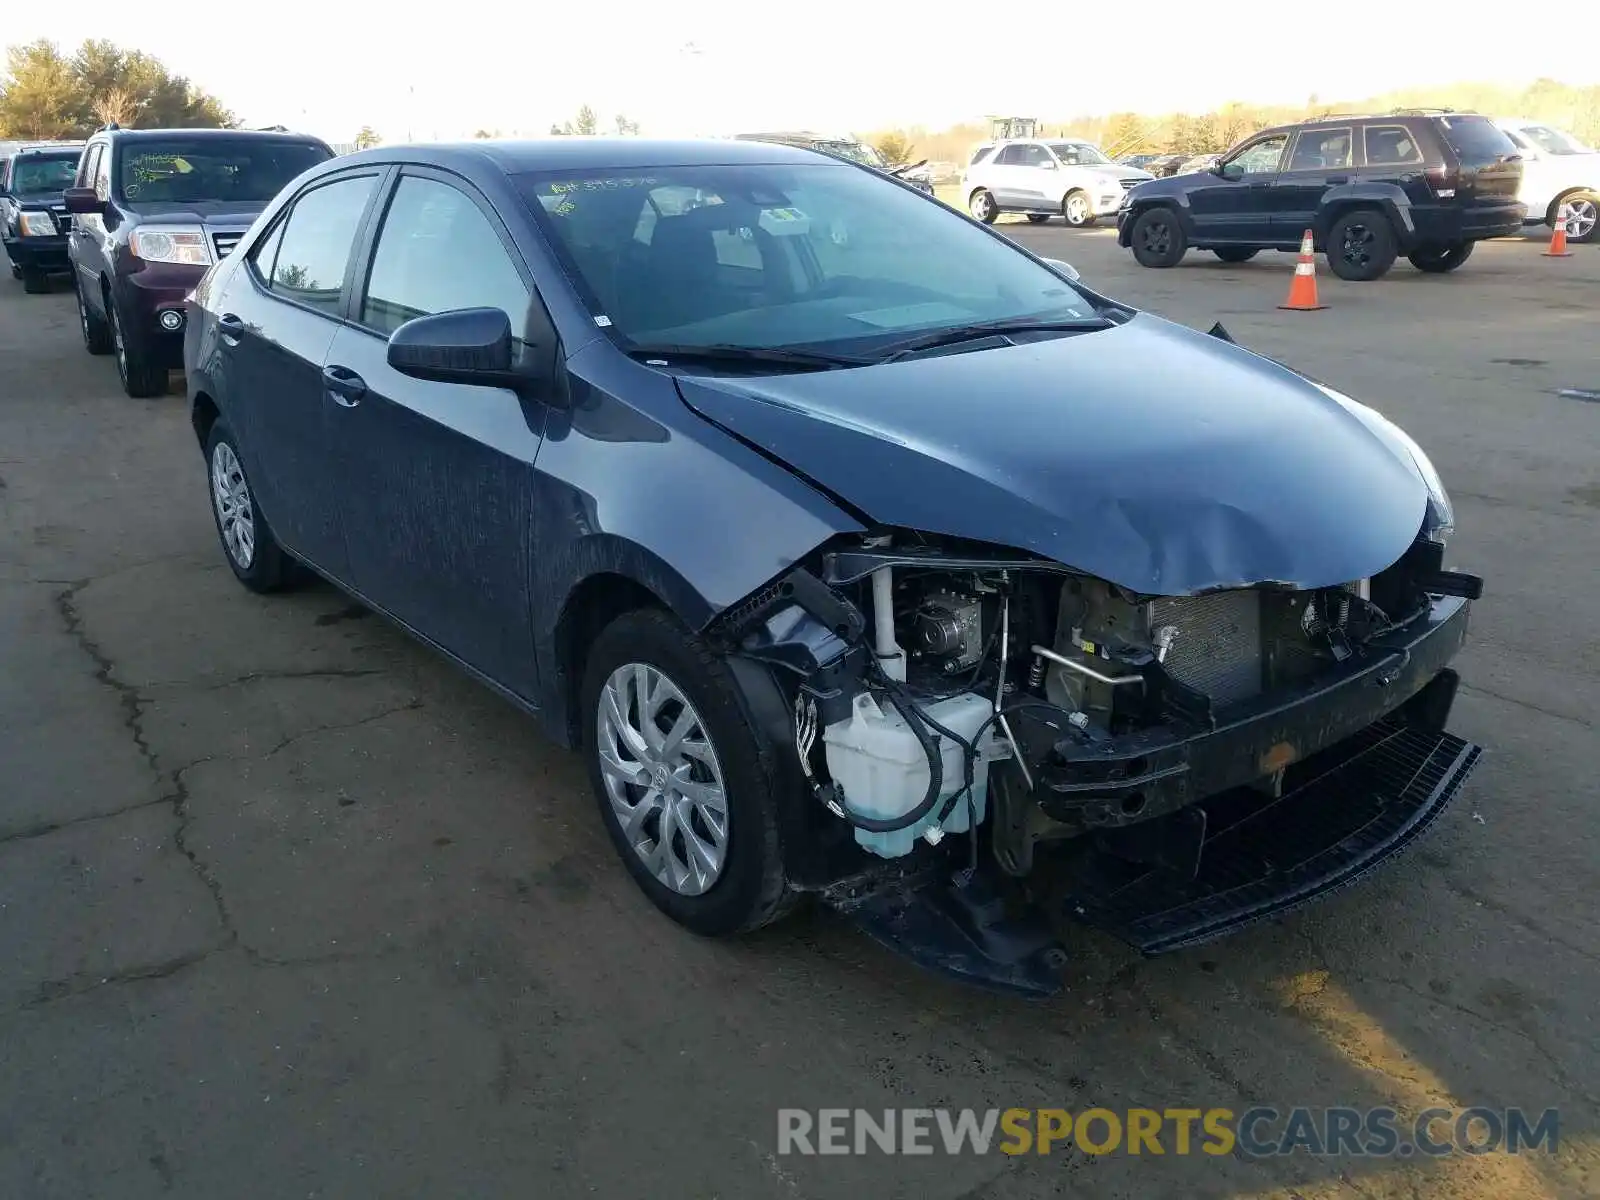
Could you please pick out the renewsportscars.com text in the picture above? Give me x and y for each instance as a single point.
(1255, 1132)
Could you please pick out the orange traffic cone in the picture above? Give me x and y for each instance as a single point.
(1303, 288)
(1558, 239)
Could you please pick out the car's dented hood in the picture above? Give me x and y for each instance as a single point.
(1148, 455)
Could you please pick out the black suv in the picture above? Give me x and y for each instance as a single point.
(156, 208)
(1423, 183)
(33, 214)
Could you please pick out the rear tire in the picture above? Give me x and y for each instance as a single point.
(1361, 245)
(1038, 218)
(1583, 215)
(1438, 259)
(748, 888)
(1236, 254)
(34, 281)
(253, 553)
(96, 333)
(981, 204)
(1157, 238)
(141, 377)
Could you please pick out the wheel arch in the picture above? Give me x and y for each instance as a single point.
(203, 415)
(1387, 199)
(604, 577)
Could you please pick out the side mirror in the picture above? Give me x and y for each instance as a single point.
(83, 201)
(1048, 164)
(1066, 268)
(1231, 170)
(467, 345)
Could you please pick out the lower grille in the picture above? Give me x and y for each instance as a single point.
(1217, 649)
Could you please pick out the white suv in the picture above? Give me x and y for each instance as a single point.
(1044, 178)
(1557, 169)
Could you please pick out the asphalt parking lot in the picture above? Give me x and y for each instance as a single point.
(289, 908)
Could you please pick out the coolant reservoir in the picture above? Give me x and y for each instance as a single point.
(882, 769)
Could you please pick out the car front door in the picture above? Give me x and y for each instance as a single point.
(437, 479)
(1321, 157)
(85, 239)
(1229, 203)
(276, 319)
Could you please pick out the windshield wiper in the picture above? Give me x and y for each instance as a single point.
(985, 329)
(747, 355)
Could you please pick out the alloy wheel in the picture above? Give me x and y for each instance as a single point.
(1358, 243)
(1582, 216)
(235, 513)
(1156, 237)
(1077, 210)
(662, 778)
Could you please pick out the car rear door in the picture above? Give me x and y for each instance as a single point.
(437, 479)
(1006, 176)
(1320, 157)
(275, 321)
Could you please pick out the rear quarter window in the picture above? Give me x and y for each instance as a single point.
(1476, 140)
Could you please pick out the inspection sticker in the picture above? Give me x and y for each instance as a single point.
(785, 222)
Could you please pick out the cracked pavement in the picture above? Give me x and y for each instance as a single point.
(290, 908)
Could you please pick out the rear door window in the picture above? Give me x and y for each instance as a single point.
(1476, 140)
(1321, 150)
(313, 249)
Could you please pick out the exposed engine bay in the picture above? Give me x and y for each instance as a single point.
(948, 691)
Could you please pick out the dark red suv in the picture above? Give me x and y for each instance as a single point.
(153, 209)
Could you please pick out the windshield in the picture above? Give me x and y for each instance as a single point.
(246, 170)
(1553, 141)
(1077, 154)
(823, 257)
(38, 174)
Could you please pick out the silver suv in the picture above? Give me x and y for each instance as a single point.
(1044, 178)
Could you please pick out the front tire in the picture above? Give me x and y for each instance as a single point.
(1077, 211)
(142, 378)
(253, 553)
(34, 281)
(677, 772)
(1361, 246)
(1038, 218)
(1236, 254)
(1440, 258)
(1157, 238)
(981, 204)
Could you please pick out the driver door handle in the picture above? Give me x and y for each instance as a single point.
(344, 385)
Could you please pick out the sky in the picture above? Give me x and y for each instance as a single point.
(719, 67)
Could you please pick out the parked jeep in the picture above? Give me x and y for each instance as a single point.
(1426, 184)
(155, 208)
(33, 216)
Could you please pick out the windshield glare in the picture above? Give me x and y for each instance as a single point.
(1553, 141)
(35, 175)
(824, 257)
(1076, 154)
(213, 169)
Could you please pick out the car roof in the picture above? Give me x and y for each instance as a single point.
(263, 135)
(590, 153)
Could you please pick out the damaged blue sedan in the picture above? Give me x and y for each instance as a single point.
(863, 554)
